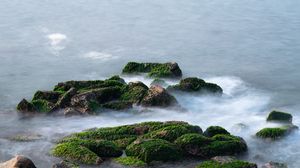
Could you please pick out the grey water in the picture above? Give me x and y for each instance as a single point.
(250, 48)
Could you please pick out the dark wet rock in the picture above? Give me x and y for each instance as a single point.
(43, 106)
(158, 96)
(276, 133)
(65, 99)
(214, 130)
(90, 101)
(117, 105)
(18, 162)
(279, 116)
(194, 84)
(26, 107)
(167, 70)
(274, 165)
(50, 96)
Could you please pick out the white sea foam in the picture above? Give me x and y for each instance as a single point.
(95, 55)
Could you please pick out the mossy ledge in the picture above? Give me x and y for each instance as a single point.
(146, 142)
(157, 70)
(90, 97)
(276, 133)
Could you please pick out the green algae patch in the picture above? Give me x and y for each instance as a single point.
(130, 161)
(232, 164)
(275, 133)
(42, 106)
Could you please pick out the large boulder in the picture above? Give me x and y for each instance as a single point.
(134, 92)
(149, 150)
(194, 84)
(166, 70)
(279, 116)
(158, 96)
(18, 162)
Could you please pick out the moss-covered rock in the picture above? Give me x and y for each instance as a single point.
(134, 92)
(130, 161)
(275, 133)
(50, 96)
(149, 150)
(214, 130)
(26, 107)
(74, 152)
(158, 96)
(42, 106)
(279, 116)
(193, 144)
(232, 164)
(194, 84)
(154, 69)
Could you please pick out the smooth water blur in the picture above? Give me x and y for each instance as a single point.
(251, 48)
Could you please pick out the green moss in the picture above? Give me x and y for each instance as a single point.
(193, 144)
(130, 161)
(133, 93)
(280, 117)
(273, 133)
(74, 152)
(123, 143)
(171, 133)
(117, 78)
(225, 145)
(233, 164)
(78, 85)
(214, 130)
(153, 150)
(42, 106)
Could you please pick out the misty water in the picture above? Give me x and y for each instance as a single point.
(250, 48)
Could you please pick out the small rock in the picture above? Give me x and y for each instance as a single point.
(18, 162)
(25, 107)
(279, 116)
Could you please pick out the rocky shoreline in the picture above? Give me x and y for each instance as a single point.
(141, 144)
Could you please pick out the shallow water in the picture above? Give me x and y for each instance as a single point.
(250, 48)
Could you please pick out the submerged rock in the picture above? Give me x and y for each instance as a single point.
(194, 84)
(167, 70)
(158, 96)
(146, 142)
(279, 116)
(18, 162)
